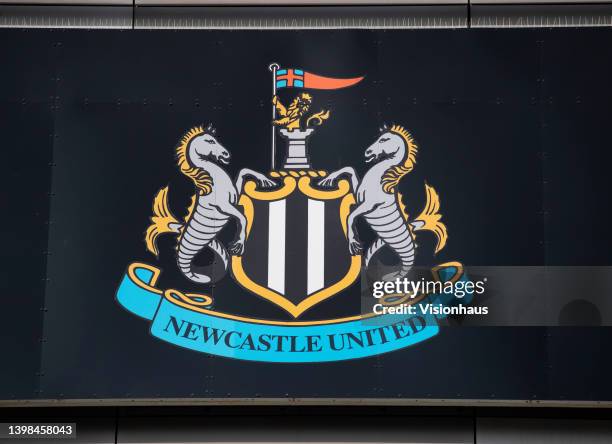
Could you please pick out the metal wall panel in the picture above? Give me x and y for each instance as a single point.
(297, 2)
(28, 85)
(388, 17)
(548, 3)
(109, 90)
(307, 14)
(40, 16)
(102, 88)
(69, 2)
(540, 16)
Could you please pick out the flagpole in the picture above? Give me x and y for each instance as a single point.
(273, 67)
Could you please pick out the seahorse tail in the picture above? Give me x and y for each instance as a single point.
(198, 234)
(429, 219)
(162, 221)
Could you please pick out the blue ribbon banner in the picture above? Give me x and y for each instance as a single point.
(186, 320)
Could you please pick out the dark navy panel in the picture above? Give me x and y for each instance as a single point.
(27, 98)
(575, 103)
(511, 133)
(124, 113)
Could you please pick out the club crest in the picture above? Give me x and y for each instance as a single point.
(295, 245)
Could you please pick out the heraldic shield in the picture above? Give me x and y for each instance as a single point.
(296, 251)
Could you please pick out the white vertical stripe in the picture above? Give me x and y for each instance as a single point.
(276, 246)
(316, 245)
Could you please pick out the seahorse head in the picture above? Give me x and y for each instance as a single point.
(395, 143)
(198, 146)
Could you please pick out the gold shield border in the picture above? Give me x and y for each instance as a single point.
(289, 185)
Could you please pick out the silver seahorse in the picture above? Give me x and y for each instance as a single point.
(379, 202)
(199, 157)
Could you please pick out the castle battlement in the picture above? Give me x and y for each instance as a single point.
(297, 148)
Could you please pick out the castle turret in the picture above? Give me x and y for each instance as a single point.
(297, 148)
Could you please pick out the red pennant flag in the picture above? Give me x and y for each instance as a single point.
(297, 78)
(314, 81)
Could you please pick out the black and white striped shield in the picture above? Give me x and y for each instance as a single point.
(296, 252)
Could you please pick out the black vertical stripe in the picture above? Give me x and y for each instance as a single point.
(255, 258)
(296, 247)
